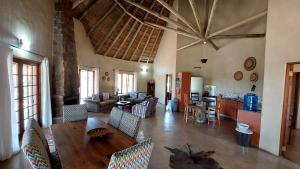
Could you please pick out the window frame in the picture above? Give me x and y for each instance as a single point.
(127, 81)
(94, 71)
(21, 63)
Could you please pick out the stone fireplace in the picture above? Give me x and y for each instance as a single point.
(65, 67)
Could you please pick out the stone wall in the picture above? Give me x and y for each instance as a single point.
(65, 70)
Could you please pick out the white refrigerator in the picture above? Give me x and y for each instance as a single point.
(197, 85)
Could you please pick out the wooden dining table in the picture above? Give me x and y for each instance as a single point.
(77, 150)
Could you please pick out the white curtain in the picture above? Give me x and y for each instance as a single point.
(135, 81)
(116, 80)
(9, 142)
(45, 95)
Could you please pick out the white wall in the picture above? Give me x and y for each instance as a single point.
(87, 57)
(165, 62)
(31, 21)
(282, 46)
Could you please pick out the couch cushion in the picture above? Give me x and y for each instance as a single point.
(142, 95)
(35, 151)
(95, 97)
(115, 117)
(32, 124)
(133, 95)
(130, 124)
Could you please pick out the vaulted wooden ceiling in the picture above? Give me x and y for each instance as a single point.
(132, 29)
(114, 33)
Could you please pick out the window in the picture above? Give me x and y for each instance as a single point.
(126, 82)
(87, 83)
(26, 80)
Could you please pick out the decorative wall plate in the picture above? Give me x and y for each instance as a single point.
(250, 63)
(238, 76)
(103, 77)
(108, 78)
(254, 77)
(106, 74)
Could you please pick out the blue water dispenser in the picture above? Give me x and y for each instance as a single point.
(251, 102)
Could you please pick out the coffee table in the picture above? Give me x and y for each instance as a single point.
(123, 104)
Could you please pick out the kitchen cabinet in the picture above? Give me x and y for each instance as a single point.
(229, 107)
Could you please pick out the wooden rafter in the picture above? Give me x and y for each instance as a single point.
(211, 16)
(238, 36)
(100, 20)
(149, 37)
(89, 8)
(137, 32)
(127, 12)
(178, 15)
(212, 44)
(173, 30)
(196, 14)
(123, 28)
(153, 47)
(191, 44)
(77, 3)
(139, 43)
(238, 24)
(102, 42)
(162, 17)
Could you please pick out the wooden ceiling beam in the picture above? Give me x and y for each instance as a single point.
(213, 44)
(123, 28)
(238, 36)
(155, 43)
(88, 9)
(196, 14)
(238, 24)
(162, 17)
(130, 31)
(127, 12)
(77, 3)
(150, 36)
(173, 30)
(211, 16)
(136, 32)
(101, 42)
(100, 20)
(190, 44)
(139, 43)
(179, 16)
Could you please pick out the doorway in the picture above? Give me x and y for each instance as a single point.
(290, 131)
(168, 88)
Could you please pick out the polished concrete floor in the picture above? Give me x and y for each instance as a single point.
(293, 149)
(169, 129)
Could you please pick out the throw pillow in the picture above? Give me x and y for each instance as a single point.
(95, 97)
(105, 96)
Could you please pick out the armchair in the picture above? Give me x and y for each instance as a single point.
(146, 108)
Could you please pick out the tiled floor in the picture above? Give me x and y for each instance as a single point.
(169, 129)
(293, 149)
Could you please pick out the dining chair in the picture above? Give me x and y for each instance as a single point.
(190, 111)
(115, 117)
(130, 124)
(74, 113)
(135, 157)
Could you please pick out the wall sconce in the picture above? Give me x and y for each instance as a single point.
(144, 69)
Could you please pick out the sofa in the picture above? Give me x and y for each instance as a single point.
(146, 108)
(136, 97)
(100, 102)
